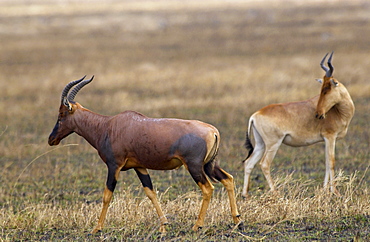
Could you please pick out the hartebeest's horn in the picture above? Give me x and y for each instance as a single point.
(330, 66)
(75, 90)
(69, 86)
(322, 63)
(329, 72)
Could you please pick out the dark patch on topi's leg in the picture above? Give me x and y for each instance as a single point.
(197, 173)
(219, 173)
(106, 153)
(209, 169)
(145, 180)
(111, 181)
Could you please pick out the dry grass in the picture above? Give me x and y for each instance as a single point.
(295, 210)
(217, 62)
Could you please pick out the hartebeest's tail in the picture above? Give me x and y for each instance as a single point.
(248, 144)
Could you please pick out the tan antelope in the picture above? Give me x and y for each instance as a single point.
(131, 140)
(322, 118)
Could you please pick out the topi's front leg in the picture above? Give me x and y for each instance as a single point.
(113, 173)
(107, 197)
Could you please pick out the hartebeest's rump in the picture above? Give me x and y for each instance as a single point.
(322, 118)
(131, 140)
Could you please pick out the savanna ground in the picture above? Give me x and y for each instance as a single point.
(215, 61)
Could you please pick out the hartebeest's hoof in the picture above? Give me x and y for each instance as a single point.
(336, 192)
(239, 225)
(96, 230)
(237, 219)
(246, 196)
(162, 229)
(197, 228)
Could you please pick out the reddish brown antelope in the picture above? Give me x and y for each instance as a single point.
(131, 140)
(322, 118)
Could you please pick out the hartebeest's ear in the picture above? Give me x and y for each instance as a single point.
(67, 104)
(319, 80)
(333, 82)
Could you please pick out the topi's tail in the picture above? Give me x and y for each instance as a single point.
(209, 167)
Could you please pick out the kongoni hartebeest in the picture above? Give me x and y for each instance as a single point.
(131, 140)
(322, 118)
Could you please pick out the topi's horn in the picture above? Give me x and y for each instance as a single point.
(69, 86)
(75, 90)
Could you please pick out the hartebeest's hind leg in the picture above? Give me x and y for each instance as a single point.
(252, 160)
(265, 151)
(148, 188)
(268, 156)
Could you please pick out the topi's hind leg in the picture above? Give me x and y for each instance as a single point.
(196, 171)
(193, 151)
(148, 188)
(228, 181)
(207, 190)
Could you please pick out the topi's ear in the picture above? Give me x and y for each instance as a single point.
(67, 104)
(319, 80)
